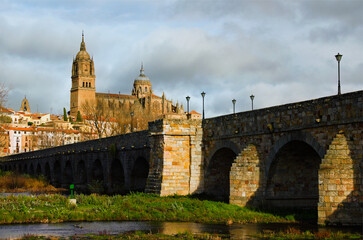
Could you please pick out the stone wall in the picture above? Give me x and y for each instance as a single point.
(176, 157)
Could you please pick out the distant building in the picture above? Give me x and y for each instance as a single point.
(25, 106)
(84, 90)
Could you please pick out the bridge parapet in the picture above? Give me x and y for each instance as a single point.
(121, 142)
(326, 111)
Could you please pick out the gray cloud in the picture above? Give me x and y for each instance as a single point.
(277, 50)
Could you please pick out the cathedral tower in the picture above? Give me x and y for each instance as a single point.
(83, 80)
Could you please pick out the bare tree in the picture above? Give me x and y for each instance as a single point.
(4, 120)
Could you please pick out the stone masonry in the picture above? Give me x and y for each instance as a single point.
(307, 155)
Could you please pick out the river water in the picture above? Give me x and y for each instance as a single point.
(235, 231)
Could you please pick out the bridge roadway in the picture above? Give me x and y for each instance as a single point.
(304, 155)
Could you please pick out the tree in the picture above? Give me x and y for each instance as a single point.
(79, 117)
(108, 120)
(4, 120)
(65, 115)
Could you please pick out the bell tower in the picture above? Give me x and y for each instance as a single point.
(83, 80)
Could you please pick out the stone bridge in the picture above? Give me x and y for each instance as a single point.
(302, 155)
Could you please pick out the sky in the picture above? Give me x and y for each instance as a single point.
(279, 51)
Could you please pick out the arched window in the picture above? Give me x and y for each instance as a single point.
(145, 89)
(83, 84)
(86, 84)
(89, 85)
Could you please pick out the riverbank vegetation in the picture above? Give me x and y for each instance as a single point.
(12, 182)
(132, 207)
(290, 233)
(132, 235)
(294, 233)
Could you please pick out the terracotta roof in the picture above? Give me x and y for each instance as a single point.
(111, 95)
(32, 129)
(194, 112)
(5, 110)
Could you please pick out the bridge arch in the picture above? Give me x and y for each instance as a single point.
(47, 172)
(81, 172)
(68, 173)
(217, 173)
(38, 170)
(219, 145)
(97, 171)
(302, 137)
(31, 169)
(117, 176)
(292, 178)
(139, 174)
(57, 175)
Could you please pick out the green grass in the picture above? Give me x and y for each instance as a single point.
(133, 207)
(293, 233)
(133, 235)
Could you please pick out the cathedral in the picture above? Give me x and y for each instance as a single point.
(141, 100)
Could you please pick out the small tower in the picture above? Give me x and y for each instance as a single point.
(83, 80)
(25, 105)
(142, 85)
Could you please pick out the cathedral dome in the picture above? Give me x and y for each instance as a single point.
(142, 85)
(142, 78)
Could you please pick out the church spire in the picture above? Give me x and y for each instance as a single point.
(142, 69)
(83, 44)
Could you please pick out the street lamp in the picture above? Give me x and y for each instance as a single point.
(188, 98)
(338, 57)
(203, 95)
(132, 118)
(252, 97)
(234, 106)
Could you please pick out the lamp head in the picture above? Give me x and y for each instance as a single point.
(252, 97)
(188, 98)
(234, 101)
(338, 57)
(203, 94)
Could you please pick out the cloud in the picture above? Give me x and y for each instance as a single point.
(279, 51)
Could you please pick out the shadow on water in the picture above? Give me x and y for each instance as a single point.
(234, 231)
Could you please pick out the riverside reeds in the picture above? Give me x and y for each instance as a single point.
(14, 182)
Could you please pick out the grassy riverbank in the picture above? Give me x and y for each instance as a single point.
(135, 207)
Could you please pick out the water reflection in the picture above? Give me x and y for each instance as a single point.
(235, 231)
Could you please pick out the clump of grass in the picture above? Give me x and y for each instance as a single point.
(14, 182)
(138, 235)
(294, 233)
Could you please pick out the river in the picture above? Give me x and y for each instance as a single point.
(235, 231)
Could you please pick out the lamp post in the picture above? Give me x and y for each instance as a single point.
(188, 98)
(252, 97)
(234, 106)
(132, 118)
(203, 95)
(338, 58)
